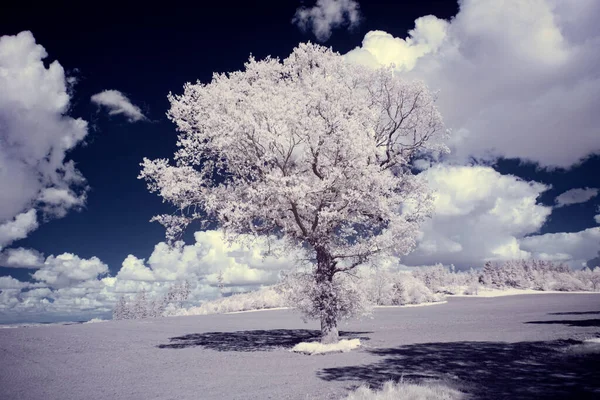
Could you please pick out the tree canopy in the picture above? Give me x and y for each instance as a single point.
(310, 149)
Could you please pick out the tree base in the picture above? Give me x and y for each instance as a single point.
(330, 336)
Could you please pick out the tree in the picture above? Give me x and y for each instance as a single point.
(121, 310)
(140, 306)
(311, 150)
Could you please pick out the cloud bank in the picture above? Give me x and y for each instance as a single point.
(516, 79)
(479, 215)
(575, 248)
(35, 134)
(70, 286)
(327, 15)
(118, 104)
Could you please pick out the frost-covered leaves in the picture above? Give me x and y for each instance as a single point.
(342, 298)
(142, 306)
(264, 298)
(310, 148)
(386, 288)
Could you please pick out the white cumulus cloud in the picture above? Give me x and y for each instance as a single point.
(207, 259)
(572, 247)
(8, 282)
(575, 196)
(18, 228)
(479, 215)
(516, 79)
(327, 15)
(35, 134)
(118, 104)
(70, 286)
(21, 258)
(68, 269)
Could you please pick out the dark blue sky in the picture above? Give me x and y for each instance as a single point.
(147, 51)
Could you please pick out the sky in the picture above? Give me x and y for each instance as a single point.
(83, 97)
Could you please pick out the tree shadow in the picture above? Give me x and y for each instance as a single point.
(573, 322)
(575, 313)
(485, 370)
(257, 340)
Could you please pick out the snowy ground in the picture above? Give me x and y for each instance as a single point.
(507, 347)
(489, 292)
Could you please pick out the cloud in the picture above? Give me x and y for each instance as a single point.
(18, 228)
(35, 135)
(209, 257)
(21, 258)
(118, 104)
(8, 282)
(575, 196)
(73, 287)
(572, 247)
(68, 269)
(597, 217)
(327, 15)
(479, 215)
(515, 79)
(55, 202)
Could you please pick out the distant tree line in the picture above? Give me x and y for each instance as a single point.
(143, 306)
(356, 294)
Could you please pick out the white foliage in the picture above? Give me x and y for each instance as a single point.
(408, 391)
(95, 321)
(343, 346)
(539, 275)
(312, 150)
(261, 299)
(386, 288)
(301, 291)
(143, 306)
(375, 287)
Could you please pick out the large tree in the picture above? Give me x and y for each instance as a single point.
(312, 150)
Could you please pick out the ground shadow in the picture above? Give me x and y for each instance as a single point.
(485, 370)
(573, 322)
(575, 313)
(257, 340)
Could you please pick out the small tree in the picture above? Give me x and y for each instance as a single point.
(140, 307)
(121, 310)
(312, 150)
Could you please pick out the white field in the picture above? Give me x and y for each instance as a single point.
(507, 347)
(489, 292)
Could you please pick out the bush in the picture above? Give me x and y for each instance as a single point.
(141, 306)
(408, 391)
(261, 299)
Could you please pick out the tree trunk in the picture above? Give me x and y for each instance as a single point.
(326, 297)
(329, 331)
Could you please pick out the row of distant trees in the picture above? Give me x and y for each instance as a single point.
(517, 274)
(357, 294)
(539, 275)
(143, 305)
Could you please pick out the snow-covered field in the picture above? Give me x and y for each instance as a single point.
(506, 347)
(489, 292)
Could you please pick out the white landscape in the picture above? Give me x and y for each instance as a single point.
(203, 203)
(519, 347)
